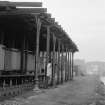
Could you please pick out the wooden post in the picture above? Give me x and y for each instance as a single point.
(68, 64)
(38, 23)
(58, 74)
(47, 54)
(53, 68)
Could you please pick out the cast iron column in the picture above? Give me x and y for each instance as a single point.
(58, 79)
(72, 63)
(62, 62)
(47, 54)
(53, 68)
(38, 24)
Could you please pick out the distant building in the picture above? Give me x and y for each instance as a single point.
(90, 68)
(79, 67)
(95, 67)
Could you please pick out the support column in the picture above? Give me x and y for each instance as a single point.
(56, 64)
(53, 68)
(70, 67)
(68, 64)
(72, 63)
(47, 54)
(38, 23)
(62, 64)
(58, 71)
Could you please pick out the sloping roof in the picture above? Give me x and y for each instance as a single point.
(32, 9)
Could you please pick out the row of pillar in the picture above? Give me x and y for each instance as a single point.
(65, 58)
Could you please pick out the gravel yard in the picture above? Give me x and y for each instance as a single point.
(86, 90)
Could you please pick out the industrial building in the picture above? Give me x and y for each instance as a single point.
(30, 40)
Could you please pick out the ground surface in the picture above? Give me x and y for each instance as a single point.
(81, 91)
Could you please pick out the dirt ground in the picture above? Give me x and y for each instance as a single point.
(81, 91)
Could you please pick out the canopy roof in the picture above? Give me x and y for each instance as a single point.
(26, 12)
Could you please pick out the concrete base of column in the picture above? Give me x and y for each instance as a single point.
(36, 87)
(71, 79)
(54, 85)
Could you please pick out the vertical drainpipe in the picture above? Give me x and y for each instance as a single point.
(38, 25)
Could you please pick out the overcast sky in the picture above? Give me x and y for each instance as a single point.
(84, 21)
